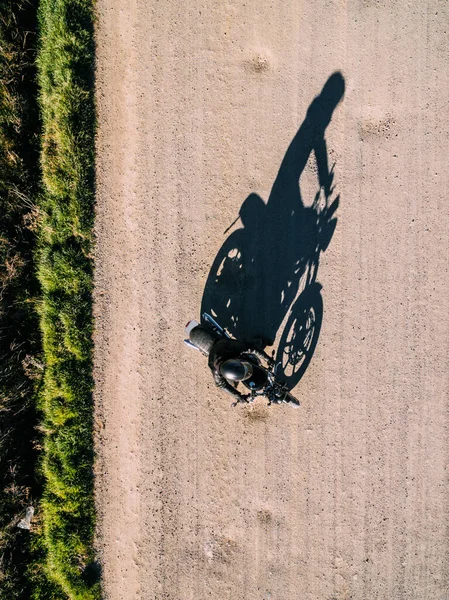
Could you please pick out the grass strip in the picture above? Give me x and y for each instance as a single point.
(64, 269)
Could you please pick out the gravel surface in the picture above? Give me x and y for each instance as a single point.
(211, 110)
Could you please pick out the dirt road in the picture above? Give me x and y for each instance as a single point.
(206, 109)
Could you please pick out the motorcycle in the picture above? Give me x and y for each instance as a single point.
(263, 380)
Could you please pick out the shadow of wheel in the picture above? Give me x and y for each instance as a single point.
(226, 283)
(300, 336)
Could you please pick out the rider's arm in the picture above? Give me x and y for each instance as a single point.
(221, 383)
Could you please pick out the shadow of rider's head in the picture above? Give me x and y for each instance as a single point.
(322, 108)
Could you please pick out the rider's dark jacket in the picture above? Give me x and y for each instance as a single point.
(225, 349)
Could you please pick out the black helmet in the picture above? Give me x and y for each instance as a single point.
(236, 370)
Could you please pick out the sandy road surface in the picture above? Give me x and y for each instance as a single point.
(199, 103)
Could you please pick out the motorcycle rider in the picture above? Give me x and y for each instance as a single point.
(229, 365)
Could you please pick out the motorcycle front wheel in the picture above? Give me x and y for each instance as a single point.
(292, 401)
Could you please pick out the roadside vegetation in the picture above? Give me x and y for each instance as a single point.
(64, 267)
(47, 206)
(20, 347)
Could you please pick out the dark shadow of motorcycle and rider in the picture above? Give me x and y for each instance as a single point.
(264, 276)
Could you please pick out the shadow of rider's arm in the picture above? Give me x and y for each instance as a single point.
(325, 177)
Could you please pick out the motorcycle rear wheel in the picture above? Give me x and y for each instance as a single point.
(203, 338)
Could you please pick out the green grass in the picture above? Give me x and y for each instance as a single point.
(64, 269)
